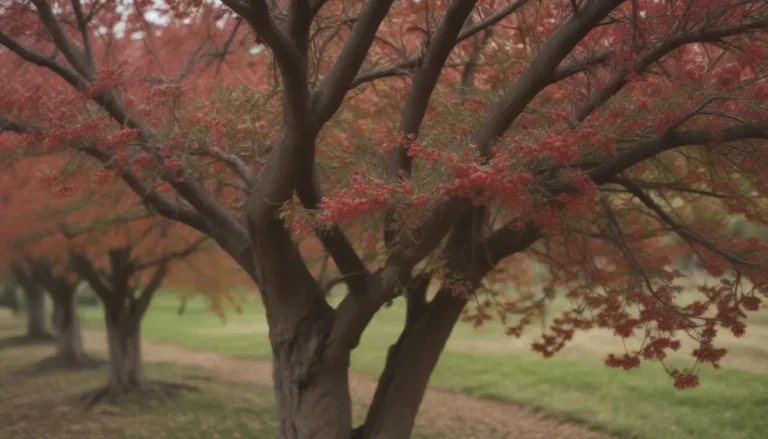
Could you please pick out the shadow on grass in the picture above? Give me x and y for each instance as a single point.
(59, 363)
(27, 340)
(146, 391)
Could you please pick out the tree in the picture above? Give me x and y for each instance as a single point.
(8, 298)
(62, 288)
(20, 216)
(125, 301)
(37, 329)
(568, 130)
(123, 253)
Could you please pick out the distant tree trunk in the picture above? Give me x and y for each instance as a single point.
(36, 327)
(124, 308)
(69, 340)
(35, 299)
(66, 324)
(124, 342)
(8, 299)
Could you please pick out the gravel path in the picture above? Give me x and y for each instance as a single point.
(455, 416)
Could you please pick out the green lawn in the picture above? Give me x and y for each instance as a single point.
(730, 403)
(42, 407)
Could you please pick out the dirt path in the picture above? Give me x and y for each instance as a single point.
(460, 415)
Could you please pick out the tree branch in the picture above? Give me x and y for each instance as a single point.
(659, 51)
(163, 205)
(71, 231)
(508, 240)
(82, 25)
(419, 95)
(37, 58)
(72, 53)
(22, 277)
(141, 303)
(681, 229)
(424, 83)
(289, 58)
(541, 71)
(492, 20)
(165, 259)
(570, 68)
(87, 271)
(234, 163)
(565, 70)
(644, 150)
(405, 67)
(17, 127)
(329, 96)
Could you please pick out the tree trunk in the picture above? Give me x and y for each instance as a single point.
(69, 340)
(36, 328)
(124, 343)
(8, 298)
(311, 380)
(409, 366)
(310, 370)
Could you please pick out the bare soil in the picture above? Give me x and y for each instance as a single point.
(458, 416)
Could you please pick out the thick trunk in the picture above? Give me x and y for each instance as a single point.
(312, 404)
(124, 343)
(310, 379)
(69, 340)
(36, 327)
(309, 369)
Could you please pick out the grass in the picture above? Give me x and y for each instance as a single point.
(730, 403)
(41, 407)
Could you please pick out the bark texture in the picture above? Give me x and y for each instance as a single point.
(124, 343)
(310, 371)
(313, 401)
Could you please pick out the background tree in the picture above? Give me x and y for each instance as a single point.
(23, 199)
(34, 296)
(123, 253)
(8, 298)
(129, 276)
(580, 129)
(62, 285)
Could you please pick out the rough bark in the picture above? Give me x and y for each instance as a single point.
(124, 343)
(310, 370)
(312, 395)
